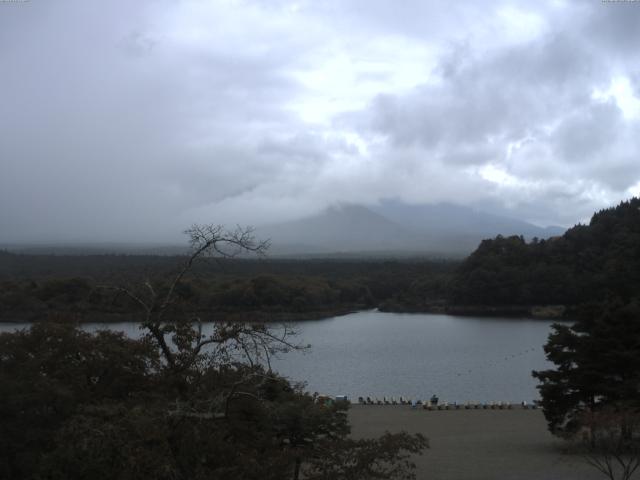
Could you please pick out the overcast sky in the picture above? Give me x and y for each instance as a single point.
(130, 120)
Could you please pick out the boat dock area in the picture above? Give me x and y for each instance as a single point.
(435, 404)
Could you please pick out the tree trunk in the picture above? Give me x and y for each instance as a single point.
(296, 469)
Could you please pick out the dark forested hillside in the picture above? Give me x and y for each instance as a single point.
(588, 263)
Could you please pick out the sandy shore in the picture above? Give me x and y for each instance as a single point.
(477, 444)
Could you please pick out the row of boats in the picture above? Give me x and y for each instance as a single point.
(434, 404)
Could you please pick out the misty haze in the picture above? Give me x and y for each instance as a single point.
(321, 240)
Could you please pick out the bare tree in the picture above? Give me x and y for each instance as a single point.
(183, 342)
(610, 440)
(208, 405)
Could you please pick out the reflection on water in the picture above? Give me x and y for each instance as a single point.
(414, 355)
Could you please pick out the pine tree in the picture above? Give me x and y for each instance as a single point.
(597, 366)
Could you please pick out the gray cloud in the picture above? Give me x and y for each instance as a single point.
(586, 132)
(130, 120)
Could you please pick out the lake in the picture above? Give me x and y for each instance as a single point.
(372, 353)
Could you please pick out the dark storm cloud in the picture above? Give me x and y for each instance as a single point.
(130, 120)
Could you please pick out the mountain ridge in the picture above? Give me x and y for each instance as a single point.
(392, 226)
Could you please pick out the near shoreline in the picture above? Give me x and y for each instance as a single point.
(477, 444)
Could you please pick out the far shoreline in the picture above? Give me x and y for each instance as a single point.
(515, 312)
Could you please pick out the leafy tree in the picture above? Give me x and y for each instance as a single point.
(182, 402)
(51, 372)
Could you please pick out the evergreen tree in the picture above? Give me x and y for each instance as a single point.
(589, 262)
(597, 366)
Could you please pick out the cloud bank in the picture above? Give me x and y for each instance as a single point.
(131, 120)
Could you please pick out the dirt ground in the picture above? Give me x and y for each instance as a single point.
(477, 444)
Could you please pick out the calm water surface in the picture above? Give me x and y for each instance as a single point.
(414, 355)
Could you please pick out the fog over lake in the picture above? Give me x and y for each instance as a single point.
(414, 355)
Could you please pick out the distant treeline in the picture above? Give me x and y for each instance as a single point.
(506, 275)
(39, 286)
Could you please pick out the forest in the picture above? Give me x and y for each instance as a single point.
(34, 286)
(595, 262)
(505, 275)
(589, 262)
